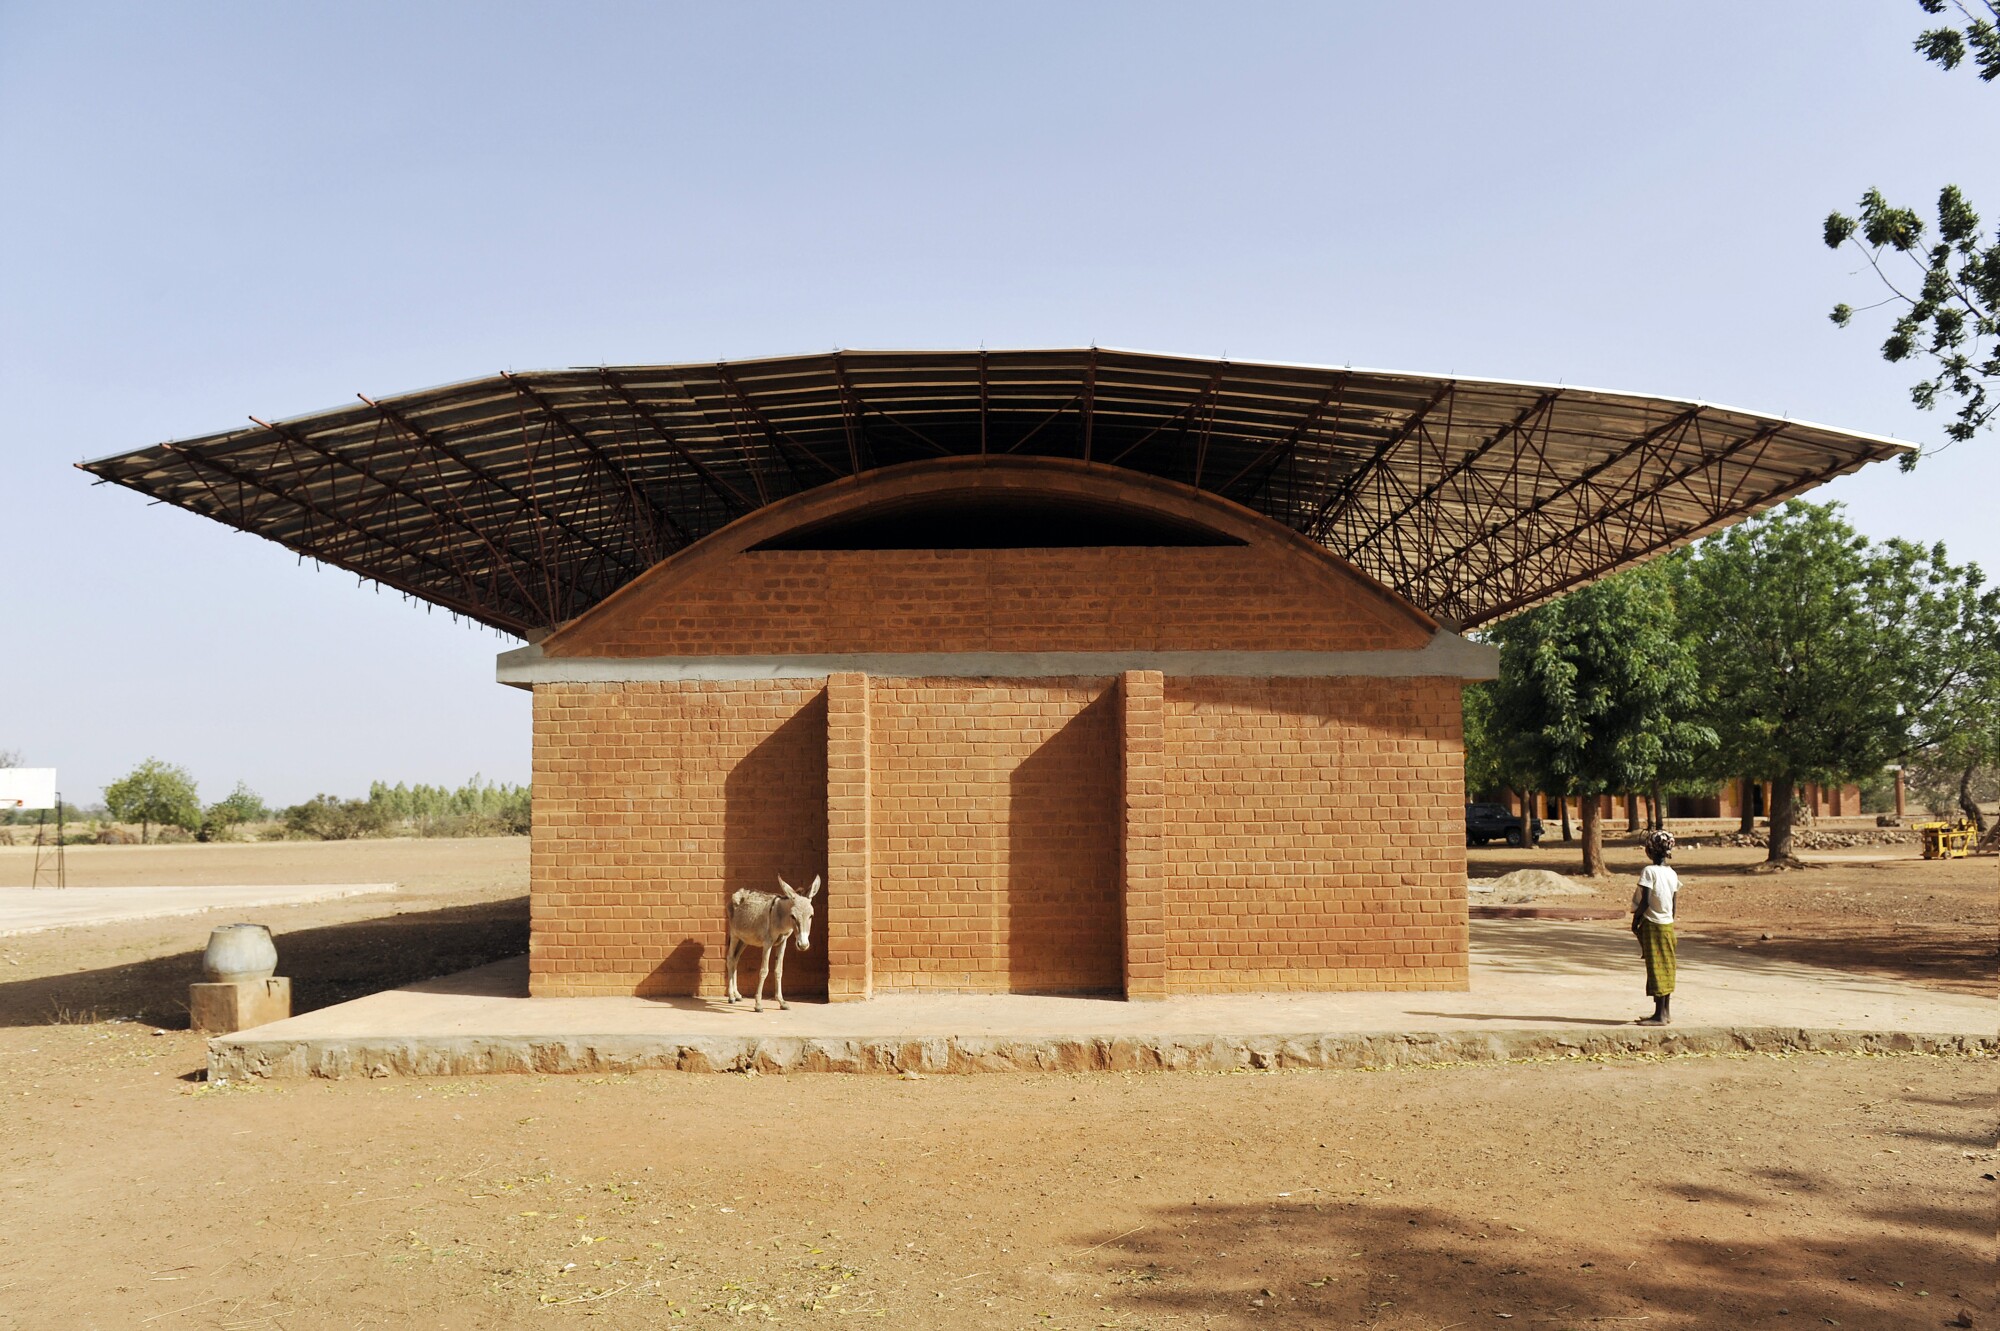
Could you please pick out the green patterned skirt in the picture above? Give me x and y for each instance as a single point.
(1656, 945)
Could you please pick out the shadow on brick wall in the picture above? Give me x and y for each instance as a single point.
(774, 824)
(1064, 929)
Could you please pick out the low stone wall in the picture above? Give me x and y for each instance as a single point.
(232, 1060)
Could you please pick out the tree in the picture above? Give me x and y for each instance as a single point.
(243, 805)
(1596, 694)
(154, 792)
(1948, 291)
(1946, 626)
(1792, 617)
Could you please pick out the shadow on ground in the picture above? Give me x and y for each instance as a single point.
(1380, 1263)
(329, 964)
(1957, 959)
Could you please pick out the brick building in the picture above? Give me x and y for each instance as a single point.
(1207, 757)
(1728, 801)
(1072, 671)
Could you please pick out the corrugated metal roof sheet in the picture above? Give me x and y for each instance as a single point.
(522, 500)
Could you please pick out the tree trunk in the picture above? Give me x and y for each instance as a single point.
(1659, 823)
(1631, 812)
(1593, 837)
(1783, 806)
(1748, 822)
(1969, 805)
(1568, 837)
(145, 831)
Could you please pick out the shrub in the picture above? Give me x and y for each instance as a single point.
(226, 816)
(330, 818)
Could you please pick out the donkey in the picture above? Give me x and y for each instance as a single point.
(767, 920)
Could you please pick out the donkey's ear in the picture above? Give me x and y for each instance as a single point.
(786, 887)
(813, 891)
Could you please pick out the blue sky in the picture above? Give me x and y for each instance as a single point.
(217, 210)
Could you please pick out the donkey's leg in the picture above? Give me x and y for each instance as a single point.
(783, 943)
(734, 951)
(763, 973)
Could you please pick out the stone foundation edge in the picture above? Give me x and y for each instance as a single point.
(463, 1056)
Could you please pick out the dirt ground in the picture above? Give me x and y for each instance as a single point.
(1883, 910)
(1676, 1193)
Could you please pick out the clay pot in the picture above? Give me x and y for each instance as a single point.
(239, 952)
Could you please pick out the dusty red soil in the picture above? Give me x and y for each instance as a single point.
(1883, 910)
(1696, 1193)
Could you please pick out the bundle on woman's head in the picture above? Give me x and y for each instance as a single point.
(1660, 845)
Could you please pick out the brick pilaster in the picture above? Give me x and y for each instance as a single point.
(849, 902)
(1142, 803)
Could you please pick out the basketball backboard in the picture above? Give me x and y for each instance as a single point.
(27, 787)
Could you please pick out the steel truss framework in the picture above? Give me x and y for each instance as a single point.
(522, 500)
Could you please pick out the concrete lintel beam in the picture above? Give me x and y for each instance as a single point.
(1446, 656)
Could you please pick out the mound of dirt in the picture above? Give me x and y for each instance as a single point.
(1526, 885)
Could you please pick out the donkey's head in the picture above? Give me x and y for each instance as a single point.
(801, 907)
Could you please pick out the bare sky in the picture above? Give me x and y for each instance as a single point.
(216, 210)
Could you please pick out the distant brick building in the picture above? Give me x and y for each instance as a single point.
(1729, 801)
(1200, 756)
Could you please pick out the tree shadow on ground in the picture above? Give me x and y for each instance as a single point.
(1853, 960)
(1957, 959)
(1385, 1264)
(329, 964)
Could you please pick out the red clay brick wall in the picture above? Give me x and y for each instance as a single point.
(1314, 835)
(995, 835)
(652, 803)
(1223, 598)
(849, 915)
(1142, 795)
(978, 834)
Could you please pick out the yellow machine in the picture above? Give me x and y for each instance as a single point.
(1946, 841)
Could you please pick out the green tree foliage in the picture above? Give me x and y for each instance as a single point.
(1793, 617)
(242, 805)
(1946, 622)
(1947, 290)
(477, 808)
(1597, 695)
(330, 818)
(154, 793)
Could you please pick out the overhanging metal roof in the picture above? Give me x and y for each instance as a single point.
(522, 500)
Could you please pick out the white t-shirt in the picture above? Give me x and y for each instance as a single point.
(1658, 886)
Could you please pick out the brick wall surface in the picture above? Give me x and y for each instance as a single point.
(1227, 598)
(1158, 836)
(850, 915)
(1143, 830)
(995, 835)
(1314, 835)
(652, 803)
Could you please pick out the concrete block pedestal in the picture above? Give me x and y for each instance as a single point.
(236, 1005)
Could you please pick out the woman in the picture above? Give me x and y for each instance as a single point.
(1653, 922)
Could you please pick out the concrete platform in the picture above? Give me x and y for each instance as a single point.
(1539, 988)
(31, 910)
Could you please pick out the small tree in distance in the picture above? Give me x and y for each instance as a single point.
(154, 793)
(1597, 695)
(242, 805)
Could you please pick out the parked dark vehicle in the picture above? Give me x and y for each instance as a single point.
(1492, 822)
